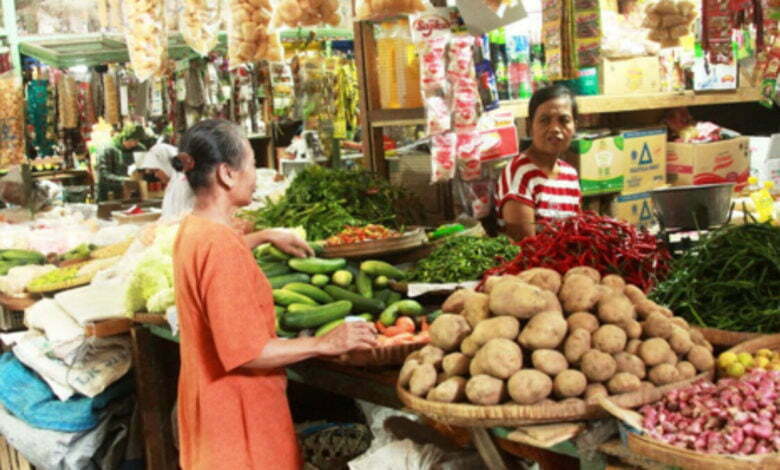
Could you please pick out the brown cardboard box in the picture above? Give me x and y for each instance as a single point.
(646, 160)
(715, 162)
(636, 209)
(600, 164)
(630, 76)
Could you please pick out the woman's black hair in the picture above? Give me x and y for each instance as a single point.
(543, 95)
(207, 144)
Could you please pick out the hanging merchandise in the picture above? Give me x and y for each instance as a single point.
(111, 97)
(552, 21)
(199, 24)
(282, 90)
(519, 71)
(306, 13)
(462, 81)
(12, 150)
(668, 21)
(475, 197)
(68, 102)
(172, 15)
(147, 40)
(251, 38)
(115, 15)
(37, 116)
(469, 155)
(587, 33)
(488, 88)
(377, 9)
(771, 72)
(443, 157)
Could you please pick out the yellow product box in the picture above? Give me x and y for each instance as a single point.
(636, 209)
(630, 76)
(726, 161)
(600, 163)
(645, 159)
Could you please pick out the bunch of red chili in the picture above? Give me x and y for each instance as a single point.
(370, 232)
(589, 239)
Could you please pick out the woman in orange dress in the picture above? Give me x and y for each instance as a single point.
(233, 411)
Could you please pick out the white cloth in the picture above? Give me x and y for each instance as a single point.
(159, 158)
(179, 197)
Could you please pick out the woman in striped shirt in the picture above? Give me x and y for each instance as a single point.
(538, 184)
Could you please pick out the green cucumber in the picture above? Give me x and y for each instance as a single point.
(328, 327)
(380, 268)
(361, 303)
(317, 247)
(310, 291)
(393, 297)
(286, 297)
(342, 278)
(364, 285)
(277, 282)
(366, 316)
(381, 281)
(318, 316)
(320, 280)
(317, 265)
(280, 333)
(275, 252)
(278, 309)
(295, 308)
(276, 269)
(402, 307)
(383, 295)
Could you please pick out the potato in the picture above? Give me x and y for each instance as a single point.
(528, 387)
(451, 390)
(594, 390)
(485, 390)
(553, 304)
(666, 312)
(657, 326)
(516, 298)
(544, 331)
(423, 379)
(654, 351)
(497, 327)
(616, 309)
(630, 363)
(610, 339)
(448, 331)
(680, 340)
(598, 366)
(663, 374)
(699, 340)
(646, 307)
(475, 308)
(456, 364)
(441, 377)
(634, 294)
(632, 328)
(549, 361)
(406, 371)
(614, 282)
(431, 355)
(686, 370)
(583, 271)
(469, 347)
(623, 382)
(579, 293)
(543, 278)
(455, 302)
(492, 281)
(680, 321)
(584, 320)
(632, 347)
(577, 344)
(499, 358)
(570, 383)
(701, 358)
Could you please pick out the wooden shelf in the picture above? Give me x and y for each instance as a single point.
(589, 105)
(54, 174)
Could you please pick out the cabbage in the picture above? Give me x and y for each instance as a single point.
(153, 274)
(159, 302)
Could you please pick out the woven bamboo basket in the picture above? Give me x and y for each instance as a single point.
(70, 283)
(405, 242)
(771, 342)
(109, 251)
(150, 319)
(378, 357)
(16, 304)
(725, 339)
(460, 414)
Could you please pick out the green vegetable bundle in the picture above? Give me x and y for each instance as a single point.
(325, 200)
(730, 280)
(463, 258)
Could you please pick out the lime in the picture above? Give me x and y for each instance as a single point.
(746, 359)
(736, 369)
(762, 362)
(726, 359)
(764, 353)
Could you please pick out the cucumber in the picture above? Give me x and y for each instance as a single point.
(403, 307)
(277, 282)
(342, 278)
(317, 247)
(361, 303)
(295, 308)
(22, 256)
(393, 297)
(318, 316)
(366, 316)
(364, 285)
(278, 309)
(276, 269)
(310, 291)
(320, 280)
(381, 281)
(382, 295)
(275, 252)
(328, 327)
(286, 297)
(380, 268)
(317, 265)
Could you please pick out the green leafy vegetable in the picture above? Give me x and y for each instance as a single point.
(463, 258)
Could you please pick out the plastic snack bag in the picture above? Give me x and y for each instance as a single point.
(377, 9)
(198, 24)
(468, 156)
(443, 157)
(12, 150)
(433, 69)
(147, 40)
(251, 37)
(437, 112)
(306, 13)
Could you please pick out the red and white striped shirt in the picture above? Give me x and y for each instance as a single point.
(551, 198)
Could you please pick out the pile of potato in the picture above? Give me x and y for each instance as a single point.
(669, 20)
(540, 336)
(302, 13)
(251, 36)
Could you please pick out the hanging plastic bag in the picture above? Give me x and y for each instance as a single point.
(12, 119)
(443, 157)
(68, 102)
(377, 9)
(147, 40)
(111, 97)
(251, 37)
(468, 155)
(306, 13)
(198, 24)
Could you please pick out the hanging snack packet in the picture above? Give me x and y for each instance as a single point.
(468, 155)
(433, 70)
(12, 148)
(461, 58)
(443, 157)
(377, 9)
(488, 90)
(199, 25)
(147, 40)
(251, 38)
(437, 113)
(306, 13)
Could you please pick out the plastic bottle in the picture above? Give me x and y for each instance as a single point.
(385, 45)
(412, 63)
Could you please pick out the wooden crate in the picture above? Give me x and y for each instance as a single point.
(10, 459)
(11, 320)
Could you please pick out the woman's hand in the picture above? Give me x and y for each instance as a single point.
(348, 336)
(285, 240)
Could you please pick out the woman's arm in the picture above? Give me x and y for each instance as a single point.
(285, 240)
(520, 220)
(282, 352)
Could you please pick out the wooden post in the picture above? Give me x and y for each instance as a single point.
(365, 62)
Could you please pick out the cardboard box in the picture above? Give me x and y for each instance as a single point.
(601, 164)
(629, 76)
(499, 135)
(716, 162)
(761, 150)
(645, 160)
(707, 76)
(636, 209)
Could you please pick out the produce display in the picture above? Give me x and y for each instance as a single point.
(80, 252)
(12, 258)
(463, 258)
(303, 13)
(147, 41)
(737, 364)
(729, 280)
(539, 335)
(251, 38)
(588, 239)
(15, 282)
(53, 278)
(351, 235)
(733, 417)
(324, 201)
(150, 285)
